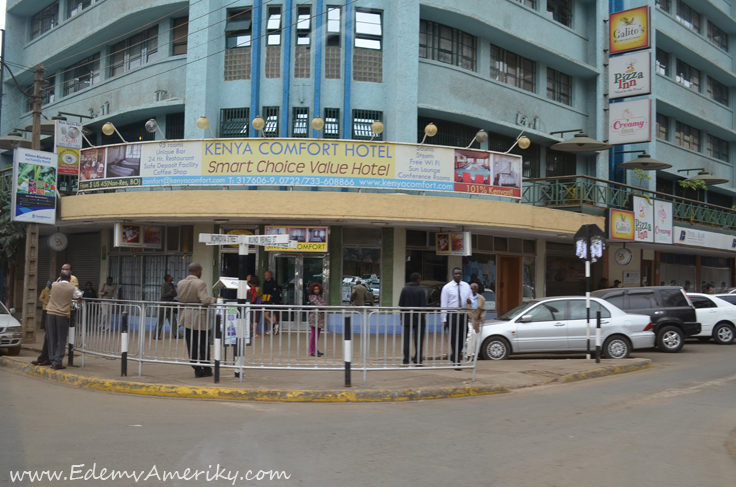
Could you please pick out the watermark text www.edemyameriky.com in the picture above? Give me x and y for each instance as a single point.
(79, 473)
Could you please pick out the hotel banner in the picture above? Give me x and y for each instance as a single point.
(301, 162)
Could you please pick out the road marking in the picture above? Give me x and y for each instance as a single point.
(682, 391)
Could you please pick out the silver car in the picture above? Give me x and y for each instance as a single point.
(10, 331)
(559, 325)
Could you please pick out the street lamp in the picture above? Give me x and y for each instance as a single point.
(644, 162)
(152, 126)
(579, 143)
(14, 140)
(706, 177)
(109, 129)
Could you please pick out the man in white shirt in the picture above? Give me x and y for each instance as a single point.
(456, 294)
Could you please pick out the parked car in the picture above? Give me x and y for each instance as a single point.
(10, 331)
(669, 308)
(716, 316)
(559, 324)
(730, 298)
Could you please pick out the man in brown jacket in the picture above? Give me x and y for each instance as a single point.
(195, 319)
(359, 294)
(57, 315)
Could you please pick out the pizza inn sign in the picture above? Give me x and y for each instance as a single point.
(630, 75)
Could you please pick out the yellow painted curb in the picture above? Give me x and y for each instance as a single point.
(358, 395)
(607, 370)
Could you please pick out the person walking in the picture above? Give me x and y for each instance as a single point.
(194, 290)
(168, 294)
(413, 320)
(43, 358)
(58, 313)
(271, 295)
(476, 315)
(316, 318)
(108, 292)
(456, 294)
(359, 294)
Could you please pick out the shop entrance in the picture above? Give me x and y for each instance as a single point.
(294, 273)
(509, 284)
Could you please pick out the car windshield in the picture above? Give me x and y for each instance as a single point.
(3, 310)
(518, 311)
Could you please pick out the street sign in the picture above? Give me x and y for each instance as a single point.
(226, 239)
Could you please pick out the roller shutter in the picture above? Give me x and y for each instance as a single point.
(83, 253)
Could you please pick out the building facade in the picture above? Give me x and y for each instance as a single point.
(506, 66)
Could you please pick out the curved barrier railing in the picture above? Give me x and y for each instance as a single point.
(244, 336)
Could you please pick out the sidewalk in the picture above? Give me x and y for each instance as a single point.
(321, 386)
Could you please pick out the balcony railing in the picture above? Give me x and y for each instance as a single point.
(593, 195)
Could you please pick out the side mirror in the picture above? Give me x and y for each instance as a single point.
(526, 319)
(12, 311)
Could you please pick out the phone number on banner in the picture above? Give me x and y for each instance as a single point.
(300, 181)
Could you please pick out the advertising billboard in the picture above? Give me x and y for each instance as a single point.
(34, 187)
(629, 30)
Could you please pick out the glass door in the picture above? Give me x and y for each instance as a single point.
(294, 273)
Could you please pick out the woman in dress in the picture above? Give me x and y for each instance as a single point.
(254, 295)
(316, 318)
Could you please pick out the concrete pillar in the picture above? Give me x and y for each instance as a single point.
(399, 264)
(540, 265)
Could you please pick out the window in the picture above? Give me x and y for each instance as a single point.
(45, 20)
(664, 5)
(616, 300)
(82, 75)
(578, 311)
(559, 87)
(663, 62)
(332, 50)
(76, 6)
(560, 11)
(447, 45)
(687, 16)
(271, 117)
(528, 3)
(560, 164)
(673, 298)
(663, 131)
(360, 261)
(175, 126)
(717, 148)
(550, 311)
(234, 122)
(717, 91)
(688, 76)
(513, 69)
(273, 43)
(302, 58)
(717, 36)
(368, 54)
(332, 123)
(362, 121)
(642, 300)
(455, 134)
(181, 35)
(238, 36)
(135, 51)
(300, 127)
(687, 137)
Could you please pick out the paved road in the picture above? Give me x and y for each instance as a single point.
(668, 425)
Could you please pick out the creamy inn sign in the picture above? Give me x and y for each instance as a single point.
(630, 122)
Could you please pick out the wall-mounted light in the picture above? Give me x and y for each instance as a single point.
(430, 130)
(521, 141)
(481, 136)
(152, 126)
(377, 128)
(318, 124)
(259, 124)
(109, 129)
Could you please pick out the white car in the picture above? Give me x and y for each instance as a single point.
(10, 331)
(716, 316)
(559, 325)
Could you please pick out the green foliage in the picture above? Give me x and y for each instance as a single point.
(12, 235)
(694, 184)
(642, 174)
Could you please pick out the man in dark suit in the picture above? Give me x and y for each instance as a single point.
(414, 297)
(168, 294)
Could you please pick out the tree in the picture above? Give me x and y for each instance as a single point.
(12, 235)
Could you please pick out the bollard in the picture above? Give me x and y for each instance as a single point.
(70, 341)
(124, 346)
(598, 337)
(347, 349)
(218, 346)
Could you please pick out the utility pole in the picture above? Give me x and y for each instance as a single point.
(30, 273)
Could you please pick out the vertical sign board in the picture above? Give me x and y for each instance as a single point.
(630, 122)
(34, 187)
(630, 75)
(662, 222)
(629, 30)
(68, 144)
(643, 219)
(621, 225)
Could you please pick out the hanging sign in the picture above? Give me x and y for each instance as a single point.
(34, 187)
(662, 222)
(630, 75)
(453, 243)
(139, 236)
(643, 219)
(308, 239)
(630, 122)
(68, 134)
(621, 225)
(68, 161)
(57, 242)
(629, 30)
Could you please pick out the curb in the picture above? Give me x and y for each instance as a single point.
(274, 395)
(640, 364)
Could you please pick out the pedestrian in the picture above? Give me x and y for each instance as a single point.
(108, 292)
(272, 296)
(44, 298)
(89, 292)
(316, 318)
(168, 294)
(194, 290)
(255, 293)
(474, 279)
(603, 283)
(43, 358)
(711, 289)
(413, 321)
(359, 294)
(476, 315)
(616, 283)
(58, 314)
(456, 294)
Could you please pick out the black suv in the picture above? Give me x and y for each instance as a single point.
(671, 311)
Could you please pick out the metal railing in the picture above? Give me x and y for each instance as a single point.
(159, 332)
(585, 193)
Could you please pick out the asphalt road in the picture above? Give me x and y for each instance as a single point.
(669, 425)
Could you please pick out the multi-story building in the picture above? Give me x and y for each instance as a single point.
(505, 66)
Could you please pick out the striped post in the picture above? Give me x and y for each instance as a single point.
(124, 346)
(598, 337)
(347, 349)
(70, 341)
(218, 346)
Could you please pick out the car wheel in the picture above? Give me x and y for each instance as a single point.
(495, 348)
(670, 339)
(703, 339)
(616, 347)
(12, 351)
(723, 333)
